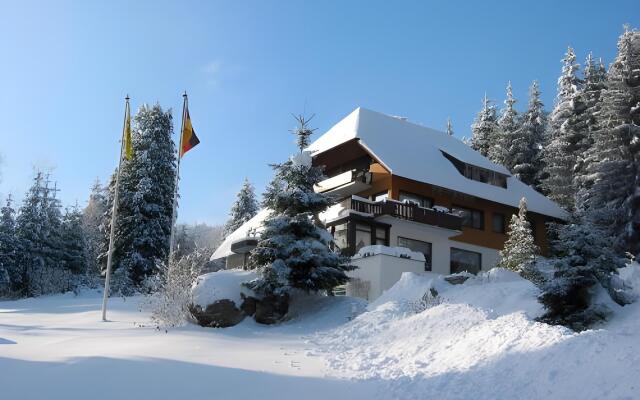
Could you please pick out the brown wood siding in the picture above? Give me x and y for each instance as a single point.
(485, 237)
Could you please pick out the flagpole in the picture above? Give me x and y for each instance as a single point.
(114, 216)
(175, 190)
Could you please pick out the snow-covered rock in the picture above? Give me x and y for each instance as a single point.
(219, 285)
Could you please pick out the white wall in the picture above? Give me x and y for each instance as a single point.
(440, 243)
(382, 271)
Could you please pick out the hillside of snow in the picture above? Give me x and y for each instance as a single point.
(477, 340)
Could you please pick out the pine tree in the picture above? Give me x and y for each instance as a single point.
(485, 129)
(244, 208)
(594, 83)
(146, 196)
(294, 248)
(567, 134)
(587, 262)
(527, 142)
(449, 127)
(9, 249)
(73, 242)
(520, 249)
(92, 219)
(614, 198)
(508, 124)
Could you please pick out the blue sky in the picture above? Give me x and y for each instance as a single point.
(247, 65)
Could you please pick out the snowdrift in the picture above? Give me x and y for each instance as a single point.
(479, 340)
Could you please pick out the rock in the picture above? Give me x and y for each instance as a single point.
(271, 309)
(248, 305)
(456, 279)
(220, 314)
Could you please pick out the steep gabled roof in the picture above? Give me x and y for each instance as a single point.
(415, 152)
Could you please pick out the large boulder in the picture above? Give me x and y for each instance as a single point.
(217, 298)
(220, 314)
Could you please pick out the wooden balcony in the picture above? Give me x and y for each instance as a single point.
(345, 184)
(410, 212)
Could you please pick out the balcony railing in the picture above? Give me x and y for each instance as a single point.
(407, 211)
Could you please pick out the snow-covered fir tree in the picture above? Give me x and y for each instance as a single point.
(92, 218)
(449, 127)
(485, 128)
(508, 124)
(9, 248)
(520, 250)
(294, 248)
(245, 207)
(146, 196)
(527, 142)
(38, 229)
(614, 198)
(594, 82)
(587, 264)
(73, 242)
(567, 134)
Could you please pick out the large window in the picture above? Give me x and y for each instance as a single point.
(498, 223)
(470, 217)
(419, 246)
(416, 199)
(464, 260)
(340, 236)
(363, 236)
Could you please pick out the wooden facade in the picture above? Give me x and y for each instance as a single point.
(351, 155)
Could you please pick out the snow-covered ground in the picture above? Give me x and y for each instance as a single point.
(477, 341)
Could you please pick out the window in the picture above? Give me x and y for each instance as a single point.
(380, 196)
(470, 217)
(475, 173)
(464, 260)
(381, 236)
(411, 198)
(363, 236)
(498, 223)
(340, 236)
(419, 246)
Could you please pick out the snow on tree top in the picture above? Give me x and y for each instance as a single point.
(415, 152)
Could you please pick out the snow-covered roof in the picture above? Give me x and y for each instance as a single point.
(254, 223)
(415, 152)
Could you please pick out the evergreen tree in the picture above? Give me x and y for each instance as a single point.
(508, 124)
(586, 264)
(73, 242)
(520, 249)
(614, 198)
(294, 248)
(485, 129)
(244, 208)
(146, 196)
(527, 142)
(92, 218)
(9, 249)
(594, 83)
(567, 135)
(449, 127)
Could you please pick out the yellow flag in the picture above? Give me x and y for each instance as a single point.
(128, 146)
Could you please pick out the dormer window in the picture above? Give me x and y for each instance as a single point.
(476, 173)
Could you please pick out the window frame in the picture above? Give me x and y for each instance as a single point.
(456, 208)
(454, 249)
(428, 261)
(504, 222)
(423, 200)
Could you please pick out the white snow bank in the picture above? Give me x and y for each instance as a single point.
(403, 252)
(223, 284)
(480, 341)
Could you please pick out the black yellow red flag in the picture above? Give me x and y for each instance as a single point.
(189, 138)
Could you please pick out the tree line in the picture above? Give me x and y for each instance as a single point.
(585, 155)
